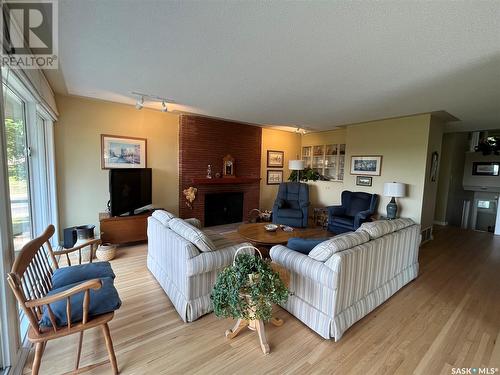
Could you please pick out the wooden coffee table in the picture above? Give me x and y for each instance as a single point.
(264, 240)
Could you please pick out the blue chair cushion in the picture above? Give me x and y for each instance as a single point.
(358, 203)
(344, 220)
(282, 203)
(288, 212)
(76, 274)
(304, 245)
(293, 204)
(102, 301)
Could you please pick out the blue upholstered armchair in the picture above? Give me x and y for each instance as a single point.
(292, 204)
(356, 208)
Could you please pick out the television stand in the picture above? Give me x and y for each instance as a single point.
(124, 229)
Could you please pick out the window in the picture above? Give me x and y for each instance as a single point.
(18, 168)
(29, 193)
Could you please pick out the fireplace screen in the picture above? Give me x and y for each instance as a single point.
(223, 208)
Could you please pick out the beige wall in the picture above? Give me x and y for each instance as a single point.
(430, 187)
(280, 141)
(403, 144)
(450, 192)
(82, 184)
(325, 138)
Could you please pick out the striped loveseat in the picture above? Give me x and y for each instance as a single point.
(345, 278)
(186, 260)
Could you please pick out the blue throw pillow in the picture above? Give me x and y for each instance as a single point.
(102, 301)
(76, 274)
(304, 245)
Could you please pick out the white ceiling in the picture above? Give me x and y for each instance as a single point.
(308, 64)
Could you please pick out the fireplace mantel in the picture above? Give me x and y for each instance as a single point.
(225, 181)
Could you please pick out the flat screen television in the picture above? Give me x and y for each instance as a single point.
(129, 189)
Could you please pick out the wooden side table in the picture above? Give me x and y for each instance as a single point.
(258, 325)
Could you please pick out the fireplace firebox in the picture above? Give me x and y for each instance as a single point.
(223, 208)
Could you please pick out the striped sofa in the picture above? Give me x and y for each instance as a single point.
(185, 271)
(357, 272)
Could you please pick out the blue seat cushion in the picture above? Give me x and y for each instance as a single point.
(304, 245)
(288, 212)
(282, 203)
(76, 274)
(293, 204)
(343, 220)
(102, 301)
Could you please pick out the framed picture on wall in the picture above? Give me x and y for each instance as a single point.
(275, 159)
(123, 152)
(434, 166)
(485, 168)
(274, 177)
(366, 165)
(364, 180)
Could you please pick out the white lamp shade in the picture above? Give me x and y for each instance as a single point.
(394, 189)
(296, 165)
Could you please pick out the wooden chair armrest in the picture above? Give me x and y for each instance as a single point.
(87, 285)
(76, 248)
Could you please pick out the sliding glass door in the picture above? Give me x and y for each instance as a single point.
(18, 168)
(28, 201)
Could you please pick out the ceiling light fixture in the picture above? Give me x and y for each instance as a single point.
(140, 103)
(141, 97)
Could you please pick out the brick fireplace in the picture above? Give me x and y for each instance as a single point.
(204, 141)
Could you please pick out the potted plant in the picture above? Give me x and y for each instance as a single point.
(247, 289)
(307, 174)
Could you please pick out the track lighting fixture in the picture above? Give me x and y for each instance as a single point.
(151, 98)
(140, 103)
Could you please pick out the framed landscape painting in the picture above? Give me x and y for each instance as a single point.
(122, 152)
(364, 181)
(275, 159)
(366, 165)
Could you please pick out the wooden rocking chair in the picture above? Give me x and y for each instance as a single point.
(30, 279)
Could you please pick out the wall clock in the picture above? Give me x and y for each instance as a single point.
(228, 166)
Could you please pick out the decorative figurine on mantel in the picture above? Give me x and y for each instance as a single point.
(209, 171)
(228, 166)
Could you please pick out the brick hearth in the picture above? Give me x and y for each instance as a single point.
(204, 141)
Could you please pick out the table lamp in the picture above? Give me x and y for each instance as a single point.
(393, 190)
(296, 165)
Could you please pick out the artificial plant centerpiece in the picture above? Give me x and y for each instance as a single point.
(247, 289)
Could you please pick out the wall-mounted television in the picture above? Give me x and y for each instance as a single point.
(129, 190)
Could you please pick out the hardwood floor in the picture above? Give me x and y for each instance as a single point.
(448, 317)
